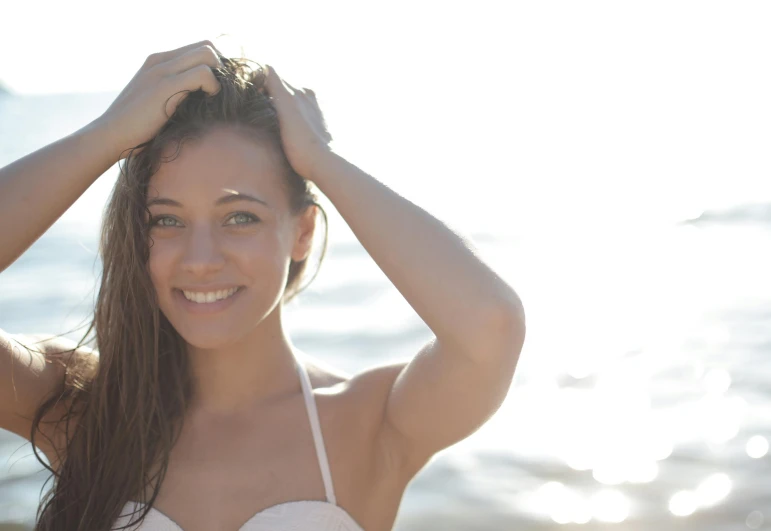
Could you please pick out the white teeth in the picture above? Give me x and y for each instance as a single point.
(211, 296)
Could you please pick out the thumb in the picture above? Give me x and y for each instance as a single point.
(276, 84)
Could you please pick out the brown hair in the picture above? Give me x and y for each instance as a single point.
(128, 415)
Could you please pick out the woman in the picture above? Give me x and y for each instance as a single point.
(194, 411)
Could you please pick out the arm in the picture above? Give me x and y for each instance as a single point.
(459, 379)
(32, 368)
(31, 200)
(37, 189)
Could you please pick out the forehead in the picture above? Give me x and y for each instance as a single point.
(221, 159)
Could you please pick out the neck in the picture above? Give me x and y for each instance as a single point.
(249, 372)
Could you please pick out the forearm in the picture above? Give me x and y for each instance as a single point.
(38, 188)
(456, 294)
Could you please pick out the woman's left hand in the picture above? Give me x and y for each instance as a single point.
(304, 134)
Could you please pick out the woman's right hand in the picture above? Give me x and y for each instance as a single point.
(154, 93)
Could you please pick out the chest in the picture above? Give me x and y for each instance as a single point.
(221, 474)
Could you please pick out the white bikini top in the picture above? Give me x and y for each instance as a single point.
(301, 515)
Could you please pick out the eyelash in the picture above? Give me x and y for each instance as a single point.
(252, 219)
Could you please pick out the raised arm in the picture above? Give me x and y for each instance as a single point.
(460, 378)
(38, 188)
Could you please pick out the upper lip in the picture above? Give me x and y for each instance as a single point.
(208, 288)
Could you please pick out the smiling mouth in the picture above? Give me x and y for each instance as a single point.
(209, 297)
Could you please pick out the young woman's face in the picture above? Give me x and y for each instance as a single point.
(222, 237)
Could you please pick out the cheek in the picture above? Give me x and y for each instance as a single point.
(159, 265)
(257, 256)
(264, 267)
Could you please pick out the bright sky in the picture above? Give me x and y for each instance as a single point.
(590, 108)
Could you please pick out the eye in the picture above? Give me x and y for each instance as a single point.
(242, 218)
(163, 221)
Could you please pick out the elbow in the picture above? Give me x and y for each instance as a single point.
(509, 314)
(511, 324)
(500, 337)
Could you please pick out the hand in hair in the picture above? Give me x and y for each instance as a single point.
(304, 132)
(154, 93)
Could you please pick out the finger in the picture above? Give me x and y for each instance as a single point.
(202, 55)
(288, 87)
(275, 85)
(199, 77)
(160, 57)
(309, 93)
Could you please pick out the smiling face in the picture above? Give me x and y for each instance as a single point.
(223, 236)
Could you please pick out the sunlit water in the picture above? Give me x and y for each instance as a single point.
(640, 400)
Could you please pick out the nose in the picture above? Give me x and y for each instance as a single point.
(202, 255)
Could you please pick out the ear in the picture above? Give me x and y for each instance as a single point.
(303, 241)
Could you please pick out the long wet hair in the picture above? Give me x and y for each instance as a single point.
(124, 414)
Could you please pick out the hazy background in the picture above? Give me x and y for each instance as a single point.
(569, 140)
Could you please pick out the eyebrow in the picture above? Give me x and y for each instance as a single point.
(230, 198)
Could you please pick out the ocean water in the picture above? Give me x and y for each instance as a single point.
(641, 398)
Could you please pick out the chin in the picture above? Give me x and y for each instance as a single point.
(210, 333)
(207, 339)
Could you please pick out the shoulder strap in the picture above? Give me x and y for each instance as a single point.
(318, 439)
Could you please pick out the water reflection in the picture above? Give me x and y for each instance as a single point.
(641, 397)
(757, 446)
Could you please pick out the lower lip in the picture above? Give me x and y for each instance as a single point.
(206, 307)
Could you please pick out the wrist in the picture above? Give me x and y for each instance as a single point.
(102, 135)
(326, 164)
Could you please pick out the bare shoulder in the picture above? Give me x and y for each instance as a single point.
(374, 384)
(323, 374)
(33, 368)
(364, 396)
(371, 386)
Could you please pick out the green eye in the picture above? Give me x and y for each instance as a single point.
(243, 218)
(161, 221)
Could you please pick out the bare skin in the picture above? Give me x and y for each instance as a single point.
(240, 355)
(232, 459)
(246, 442)
(223, 472)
